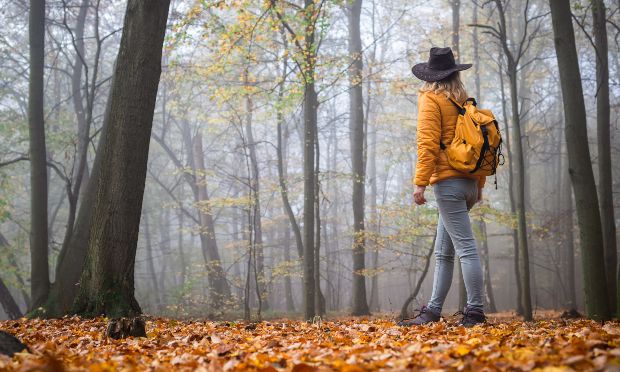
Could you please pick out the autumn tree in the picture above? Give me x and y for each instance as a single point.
(107, 283)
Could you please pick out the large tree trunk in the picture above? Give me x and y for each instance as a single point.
(107, 282)
(605, 179)
(39, 277)
(356, 130)
(580, 165)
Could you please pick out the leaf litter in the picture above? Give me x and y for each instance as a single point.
(345, 344)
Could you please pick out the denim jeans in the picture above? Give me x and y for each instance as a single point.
(455, 197)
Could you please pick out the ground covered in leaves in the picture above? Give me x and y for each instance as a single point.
(344, 344)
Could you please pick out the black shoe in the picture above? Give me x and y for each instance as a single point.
(425, 316)
(472, 317)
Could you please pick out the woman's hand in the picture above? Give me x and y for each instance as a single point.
(479, 194)
(418, 195)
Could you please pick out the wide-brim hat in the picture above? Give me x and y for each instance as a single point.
(440, 65)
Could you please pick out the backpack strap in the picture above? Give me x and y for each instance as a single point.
(460, 108)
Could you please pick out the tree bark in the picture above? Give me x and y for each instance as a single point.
(39, 267)
(603, 123)
(356, 137)
(580, 165)
(107, 282)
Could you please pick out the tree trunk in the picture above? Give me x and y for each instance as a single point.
(513, 207)
(517, 152)
(39, 267)
(427, 262)
(310, 127)
(605, 186)
(6, 298)
(281, 154)
(288, 285)
(490, 299)
(356, 130)
(80, 113)
(72, 255)
(456, 24)
(107, 282)
(9, 305)
(220, 289)
(255, 185)
(374, 217)
(182, 260)
(568, 241)
(150, 262)
(580, 165)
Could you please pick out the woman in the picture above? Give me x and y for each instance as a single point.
(455, 192)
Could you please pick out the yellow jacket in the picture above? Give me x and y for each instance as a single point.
(436, 123)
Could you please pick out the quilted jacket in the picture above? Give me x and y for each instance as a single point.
(436, 123)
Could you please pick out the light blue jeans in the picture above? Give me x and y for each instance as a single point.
(455, 197)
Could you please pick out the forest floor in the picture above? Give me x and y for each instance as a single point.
(344, 344)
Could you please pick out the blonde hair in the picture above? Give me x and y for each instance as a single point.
(451, 87)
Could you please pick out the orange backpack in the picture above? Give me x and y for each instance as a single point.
(476, 147)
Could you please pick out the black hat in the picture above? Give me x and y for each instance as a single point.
(440, 65)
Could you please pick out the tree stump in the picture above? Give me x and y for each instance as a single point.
(9, 345)
(126, 327)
